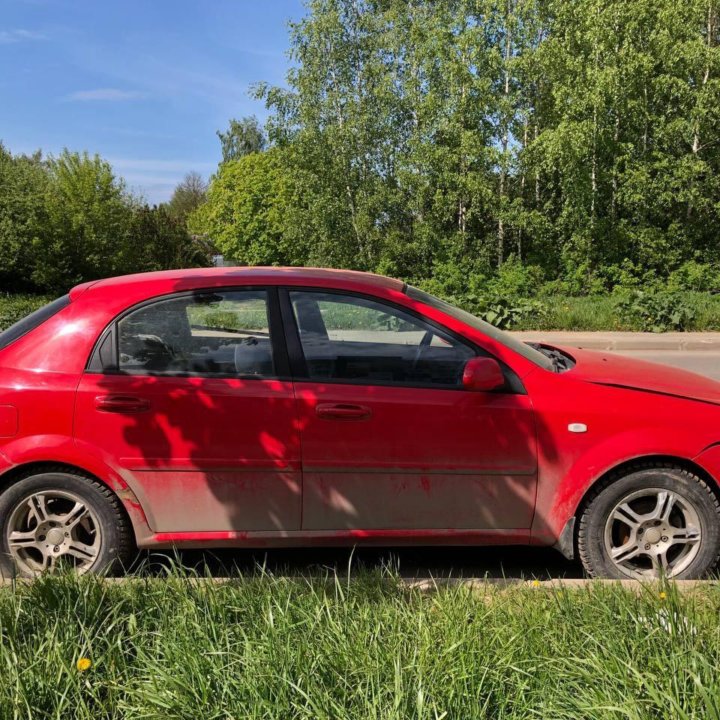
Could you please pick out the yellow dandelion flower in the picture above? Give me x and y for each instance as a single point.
(663, 595)
(536, 583)
(83, 664)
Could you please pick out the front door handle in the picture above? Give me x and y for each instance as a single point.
(121, 404)
(340, 411)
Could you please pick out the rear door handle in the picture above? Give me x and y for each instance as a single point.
(121, 404)
(332, 411)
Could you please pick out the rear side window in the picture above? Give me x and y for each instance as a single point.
(32, 321)
(215, 333)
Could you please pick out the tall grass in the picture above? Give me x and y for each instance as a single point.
(273, 647)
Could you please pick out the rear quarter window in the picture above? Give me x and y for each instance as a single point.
(32, 321)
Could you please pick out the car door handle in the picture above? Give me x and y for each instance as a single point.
(121, 404)
(332, 411)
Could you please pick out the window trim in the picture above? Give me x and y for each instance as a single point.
(281, 361)
(298, 363)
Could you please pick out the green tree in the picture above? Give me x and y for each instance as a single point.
(23, 216)
(243, 137)
(247, 212)
(155, 240)
(465, 132)
(401, 118)
(187, 196)
(88, 212)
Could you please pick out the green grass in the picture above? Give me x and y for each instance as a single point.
(272, 647)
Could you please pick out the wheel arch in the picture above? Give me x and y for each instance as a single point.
(568, 539)
(128, 501)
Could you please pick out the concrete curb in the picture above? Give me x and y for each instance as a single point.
(626, 341)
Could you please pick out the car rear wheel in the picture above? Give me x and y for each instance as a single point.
(653, 521)
(62, 521)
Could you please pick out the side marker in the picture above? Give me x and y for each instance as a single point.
(577, 427)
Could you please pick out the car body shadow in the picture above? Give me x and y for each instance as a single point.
(409, 563)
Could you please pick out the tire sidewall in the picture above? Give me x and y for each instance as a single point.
(20, 490)
(682, 483)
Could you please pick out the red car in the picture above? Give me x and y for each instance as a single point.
(269, 406)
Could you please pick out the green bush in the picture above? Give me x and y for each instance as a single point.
(693, 275)
(627, 276)
(509, 313)
(655, 311)
(16, 307)
(514, 280)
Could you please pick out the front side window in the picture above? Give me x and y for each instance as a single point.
(215, 333)
(491, 331)
(354, 339)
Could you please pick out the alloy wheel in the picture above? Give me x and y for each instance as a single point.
(653, 532)
(53, 529)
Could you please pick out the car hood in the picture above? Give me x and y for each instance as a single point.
(604, 368)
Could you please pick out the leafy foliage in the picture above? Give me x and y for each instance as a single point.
(68, 219)
(247, 212)
(16, 307)
(493, 152)
(188, 196)
(576, 138)
(155, 240)
(507, 314)
(655, 311)
(88, 213)
(243, 137)
(23, 217)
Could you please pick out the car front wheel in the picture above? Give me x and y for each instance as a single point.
(654, 521)
(60, 520)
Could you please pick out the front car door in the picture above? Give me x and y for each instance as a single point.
(390, 439)
(185, 395)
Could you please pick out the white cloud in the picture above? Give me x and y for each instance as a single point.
(8, 37)
(105, 94)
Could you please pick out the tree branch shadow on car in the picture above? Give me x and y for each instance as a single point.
(200, 494)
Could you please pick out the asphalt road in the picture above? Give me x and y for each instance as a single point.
(416, 562)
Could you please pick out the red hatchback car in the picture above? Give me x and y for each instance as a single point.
(269, 406)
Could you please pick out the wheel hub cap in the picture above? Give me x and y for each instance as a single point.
(55, 536)
(653, 535)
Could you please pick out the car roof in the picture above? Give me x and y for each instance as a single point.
(214, 277)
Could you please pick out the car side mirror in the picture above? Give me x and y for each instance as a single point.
(482, 374)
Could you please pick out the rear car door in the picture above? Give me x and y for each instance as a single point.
(188, 397)
(390, 439)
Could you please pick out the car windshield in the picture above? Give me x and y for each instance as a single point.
(32, 321)
(491, 331)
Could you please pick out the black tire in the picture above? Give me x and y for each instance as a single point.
(117, 547)
(689, 487)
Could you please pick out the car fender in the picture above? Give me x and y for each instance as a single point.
(562, 489)
(58, 449)
(5, 463)
(709, 460)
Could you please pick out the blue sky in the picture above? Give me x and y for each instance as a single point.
(143, 83)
